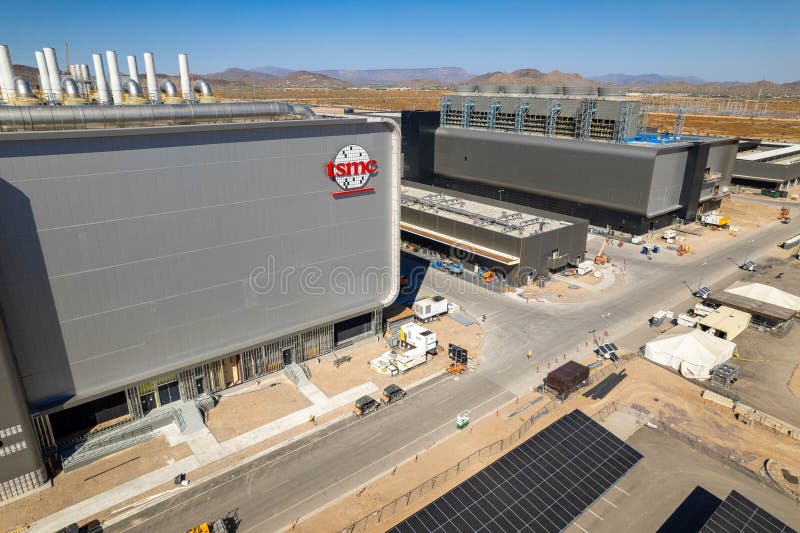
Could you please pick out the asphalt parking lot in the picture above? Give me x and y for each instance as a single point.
(674, 489)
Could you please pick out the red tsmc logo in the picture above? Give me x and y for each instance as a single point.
(351, 169)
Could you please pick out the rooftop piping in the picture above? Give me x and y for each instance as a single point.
(36, 118)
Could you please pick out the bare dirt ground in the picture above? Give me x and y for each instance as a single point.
(767, 128)
(365, 99)
(73, 487)
(649, 388)
(241, 413)
(331, 380)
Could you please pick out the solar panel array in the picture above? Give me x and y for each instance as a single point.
(609, 351)
(542, 485)
(738, 514)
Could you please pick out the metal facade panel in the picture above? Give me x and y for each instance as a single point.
(132, 254)
(665, 191)
(609, 175)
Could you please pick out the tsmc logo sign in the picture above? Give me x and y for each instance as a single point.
(351, 168)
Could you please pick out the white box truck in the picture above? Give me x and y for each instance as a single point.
(584, 267)
(429, 308)
(408, 360)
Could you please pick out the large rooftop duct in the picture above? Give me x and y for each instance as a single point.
(6, 74)
(186, 89)
(168, 88)
(22, 88)
(113, 77)
(84, 72)
(53, 72)
(152, 83)
(70, 88)
(34, 118)
(132, 88)
(100, 79)
(44, 77)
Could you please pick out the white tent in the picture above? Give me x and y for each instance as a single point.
(690, 351)
(766, 294)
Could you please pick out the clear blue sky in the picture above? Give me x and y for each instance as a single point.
(714, 39)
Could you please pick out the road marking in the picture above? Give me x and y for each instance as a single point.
(255, 527)
(371, 438)
(608, 502)
(597, 515)
(579, 527)
(622, 490)
(290, 452)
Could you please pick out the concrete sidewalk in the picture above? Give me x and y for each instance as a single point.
(206, 450)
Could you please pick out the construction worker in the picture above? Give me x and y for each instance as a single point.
(312, 419)
(530, 354)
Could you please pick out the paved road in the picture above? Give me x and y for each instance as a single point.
(297, 480)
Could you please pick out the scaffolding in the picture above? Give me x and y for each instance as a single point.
(680, 118)
(553, 111)
(519, 119)
(623, 123)
(494, 107)
(466, 111)
(583, 119)
(642, 119)
(444, 107)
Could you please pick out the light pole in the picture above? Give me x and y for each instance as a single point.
(604, 317)
(749, 250)
(702, 273)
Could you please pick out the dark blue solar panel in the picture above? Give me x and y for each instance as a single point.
(543, 484)
(738, 514)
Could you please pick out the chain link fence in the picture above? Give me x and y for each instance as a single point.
(373, 520)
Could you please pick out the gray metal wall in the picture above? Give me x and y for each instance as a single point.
(769, 171)
(610, 175)
(721, 159)
(14, 416)
(129, 253)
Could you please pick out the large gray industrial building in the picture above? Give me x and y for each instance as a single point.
(150, 253)
(770, 165)
(569, 152)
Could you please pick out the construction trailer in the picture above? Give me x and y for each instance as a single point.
(428, 309)
(415, 335)
(725, 322)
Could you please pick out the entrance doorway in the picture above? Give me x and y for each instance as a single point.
(287, 357)
(199, 384)
(148, 402)
(168, 393)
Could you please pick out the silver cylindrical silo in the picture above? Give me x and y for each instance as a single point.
(152, 83)
(113, 76)
(186, 88)
(6, 74)
(100, 79)
(133, 69)
(85, 73)
(44, 77)
(52, 71)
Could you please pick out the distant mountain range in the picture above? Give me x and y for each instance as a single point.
(448, 77)
(645, 80)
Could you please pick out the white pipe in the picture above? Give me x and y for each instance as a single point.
(100, 79)
(186, 88)
(52, 70)
(44, 77)
(152, 82)
(6, 74)
(133, 69)
(113, 76)
(85, 73)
